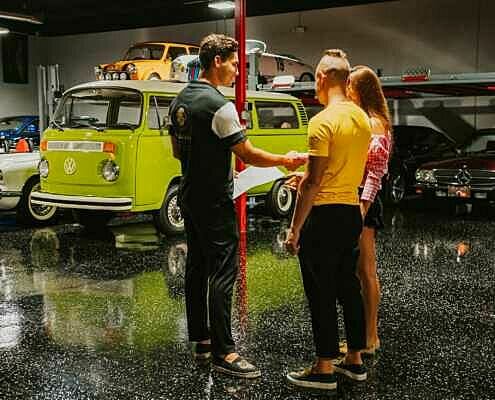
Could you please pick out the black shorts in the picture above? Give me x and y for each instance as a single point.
(374, 217)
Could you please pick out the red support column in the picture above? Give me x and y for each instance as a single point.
(240, 101)
(240, 97)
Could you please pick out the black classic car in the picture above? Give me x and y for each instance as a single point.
(469, 177)
(412, 146)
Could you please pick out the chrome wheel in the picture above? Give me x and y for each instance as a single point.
(306, 77)
(398, 189)
(174, 215)
(284, 199)
(40, 212)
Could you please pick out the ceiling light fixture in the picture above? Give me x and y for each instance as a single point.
(299, 28)
(4, 31)
(20, 17)
(222, 5)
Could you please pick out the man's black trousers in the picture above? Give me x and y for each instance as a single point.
(211, 270)
(328, 256)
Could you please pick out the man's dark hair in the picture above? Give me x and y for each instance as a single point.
(216, 45)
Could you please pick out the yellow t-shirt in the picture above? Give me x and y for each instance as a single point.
(342, 133)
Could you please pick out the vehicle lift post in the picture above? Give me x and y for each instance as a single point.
(49, 89)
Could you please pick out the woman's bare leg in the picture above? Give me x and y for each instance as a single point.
(370, 285)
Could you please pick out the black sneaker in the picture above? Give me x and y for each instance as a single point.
(308, 379)
(240, 368)
(353, 371)
(202, 351)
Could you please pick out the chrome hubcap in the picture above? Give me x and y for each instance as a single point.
(38, 211)
(284, 199)
(174, 215)
(398, 189)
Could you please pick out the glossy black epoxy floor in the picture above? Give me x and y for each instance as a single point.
(84, 317)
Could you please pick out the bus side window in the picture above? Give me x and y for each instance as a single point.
(158, 112)
(276, 115)
(248, 116)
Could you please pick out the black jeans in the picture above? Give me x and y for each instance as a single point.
(211, 270)
(329, 249)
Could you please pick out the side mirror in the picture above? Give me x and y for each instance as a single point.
(246, 116)
(164, 126)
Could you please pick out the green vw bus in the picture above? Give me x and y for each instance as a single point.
(107, 150)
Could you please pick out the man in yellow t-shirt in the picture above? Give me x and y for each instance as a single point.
(327, 224)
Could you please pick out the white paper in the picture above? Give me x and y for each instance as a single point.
(255, 176)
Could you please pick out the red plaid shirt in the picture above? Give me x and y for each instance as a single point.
(376, 166)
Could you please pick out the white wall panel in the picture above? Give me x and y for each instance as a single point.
(447, 35)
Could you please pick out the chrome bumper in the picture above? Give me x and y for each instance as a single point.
(9, 199)
(9, 194)
(82, 202)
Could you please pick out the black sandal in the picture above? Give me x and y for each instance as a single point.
(202, 351)
(240, 367)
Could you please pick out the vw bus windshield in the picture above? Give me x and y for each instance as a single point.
(100, 109)
(149, 52)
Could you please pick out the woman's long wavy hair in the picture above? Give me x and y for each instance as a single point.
(366, 84)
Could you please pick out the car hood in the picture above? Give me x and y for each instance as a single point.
(7, 132)
(9, 159)
(120, 65)
(475, 161)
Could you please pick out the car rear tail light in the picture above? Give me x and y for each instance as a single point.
(44, 145)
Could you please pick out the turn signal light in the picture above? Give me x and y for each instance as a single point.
(109, 147)
(44, 145)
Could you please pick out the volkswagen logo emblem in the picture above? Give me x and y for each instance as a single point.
(70, 166)
(463, 177)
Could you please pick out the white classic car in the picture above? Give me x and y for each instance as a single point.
(186, 67)
(19, 177)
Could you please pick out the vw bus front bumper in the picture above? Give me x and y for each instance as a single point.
(82, 202)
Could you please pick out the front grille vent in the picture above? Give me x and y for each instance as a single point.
(302, 112)
(476, 176)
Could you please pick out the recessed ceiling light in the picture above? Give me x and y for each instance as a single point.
(20, 17)
(4, 31)
(222, 5)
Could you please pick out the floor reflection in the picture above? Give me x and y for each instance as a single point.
(85, 316)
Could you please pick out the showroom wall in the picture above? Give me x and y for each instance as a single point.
(17, 99)
(392, 36)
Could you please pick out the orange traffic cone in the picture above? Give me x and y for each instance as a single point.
(22, 146)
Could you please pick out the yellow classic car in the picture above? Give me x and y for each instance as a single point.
(143, 61)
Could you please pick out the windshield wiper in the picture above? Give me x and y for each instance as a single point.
(126, 125)
(56, 125)
(88, 125)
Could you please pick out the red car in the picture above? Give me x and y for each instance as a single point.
(467, 178)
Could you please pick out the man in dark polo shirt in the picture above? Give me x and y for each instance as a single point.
(205, 130)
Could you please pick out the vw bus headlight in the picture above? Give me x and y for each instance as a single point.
(43, 168)
(131, 68)
(425, 175)
(123, 76)
(110, 171)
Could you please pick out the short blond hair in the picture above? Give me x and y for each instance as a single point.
(335, 65)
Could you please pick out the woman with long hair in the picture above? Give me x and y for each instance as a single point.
(365, 90)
